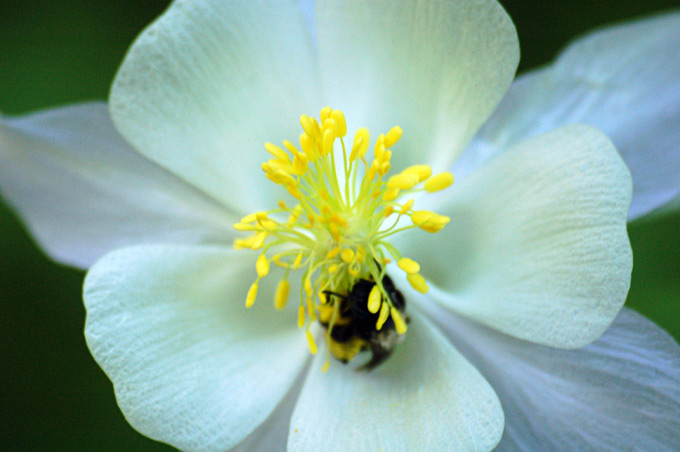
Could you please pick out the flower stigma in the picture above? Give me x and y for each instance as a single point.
(335, 235)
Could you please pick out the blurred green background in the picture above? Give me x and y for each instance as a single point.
(53, 397)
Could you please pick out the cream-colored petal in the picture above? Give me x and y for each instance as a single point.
(206, 85)
(83, 191)
(537, 244)
(437, 69)
(191, 366)
(426, 397)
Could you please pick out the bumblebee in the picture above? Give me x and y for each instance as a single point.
(354, 328)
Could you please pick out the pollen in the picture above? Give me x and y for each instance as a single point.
(334, 231)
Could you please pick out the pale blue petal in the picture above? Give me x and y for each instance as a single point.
(83, 191)
(624, 80)
(620, 393)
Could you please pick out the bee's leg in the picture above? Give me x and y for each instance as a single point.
(379, 355)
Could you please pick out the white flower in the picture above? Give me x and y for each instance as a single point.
(536, 248)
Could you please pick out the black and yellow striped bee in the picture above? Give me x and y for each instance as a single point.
(354, 328)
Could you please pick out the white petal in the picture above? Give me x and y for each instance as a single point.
(426, 397)
(206, 85)
(83, 191)
(437, 69)
(537, 245)
(620, 393)
(623, 80)
(191, 366)
(272, 435)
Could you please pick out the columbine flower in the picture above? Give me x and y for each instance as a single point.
(531, 244)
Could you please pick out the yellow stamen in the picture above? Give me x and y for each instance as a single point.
(252, 294)
(301, 316)
(408, 265)
(393, 136)
(281, 295)
(262, 266)
(418, 282)
(422, 171)
(374, 299)
(439, 182)
(382, 317)
(311, 343)
(399, 323)
(335, 232)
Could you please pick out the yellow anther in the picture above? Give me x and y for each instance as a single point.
(262, 266)
(310, 309)
(308, 286)
(245, 227)
(391, 194)
(353, 269)
(361, 254)
(325, 367)
(341, 123)
(240, 244)
(379, 149)
(301, 316)
(408, 265)
(407, 206)
(337, 219)
(293, 191)
(334, 252)
(258, 240)
(252, 294)
(330, 124)
(281, 294)
(384, 167)
(268, 225)
(389, 210)
(374, 299)
(386, 157)
(299, 164)
(325, 113)
(347, 255)
(429, 221)
(311, 343)
(294, 215)
(393, 136)
(298, 261)
(382, 317)
(403, 181)
(418, 282)
(332, 268)
(372, 170)
(277, 152)
(307, 145)
(422, 171)
(252, 218)
(328, 139)
(282, 205)
(399, 323)
(439, 182)
(290, 146)
(310, 126)
(361, 140)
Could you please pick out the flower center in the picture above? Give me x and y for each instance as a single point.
(336, 234)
